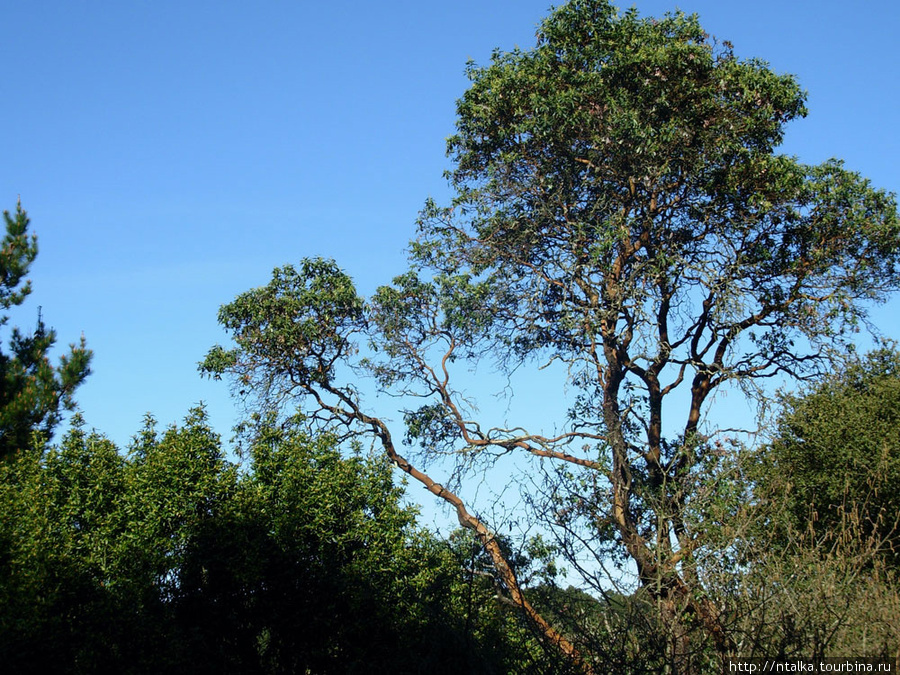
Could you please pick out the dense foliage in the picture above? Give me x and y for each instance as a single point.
(849, 420)
(169, 558)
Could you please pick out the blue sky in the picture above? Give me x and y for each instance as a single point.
(170, 154)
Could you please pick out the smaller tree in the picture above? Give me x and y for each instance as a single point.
(33, 393)
(836, 453)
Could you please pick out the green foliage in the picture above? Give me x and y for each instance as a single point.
(790, 585)
(836, 451)
(641, 148)
(299, 321)
(58, 517)
(33, 392)
(18, 252)
(171, 559)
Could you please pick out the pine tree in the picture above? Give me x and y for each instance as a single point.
(33, 392)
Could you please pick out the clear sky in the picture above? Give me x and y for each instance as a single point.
(170, 154)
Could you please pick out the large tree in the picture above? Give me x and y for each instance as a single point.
(33, 392)
(621, 209)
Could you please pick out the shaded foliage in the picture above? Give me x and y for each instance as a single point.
(171, 559)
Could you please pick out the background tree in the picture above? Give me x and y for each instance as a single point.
(793, 583)
(170, 559)
(33, 393)
(620, 209)
(850, 419)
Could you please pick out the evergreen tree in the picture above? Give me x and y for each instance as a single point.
(33, 392)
